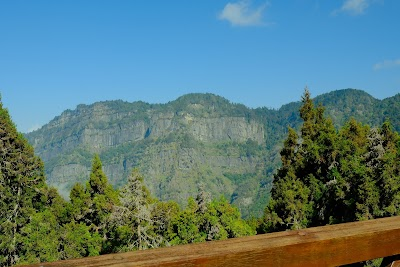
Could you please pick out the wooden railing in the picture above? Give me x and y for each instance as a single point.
(332, 245)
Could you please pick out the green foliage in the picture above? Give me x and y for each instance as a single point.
(40, 238)
(205, 220)
(79, 241)
(389, 109)
(22, 188)
(93, 205)
(37, 225)
(327, 175)
(184, 228)
(65, 141)
(332, 176)
(98, 180)
(133, 220)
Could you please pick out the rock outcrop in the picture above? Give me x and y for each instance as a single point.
(230, 148)
(175, 146)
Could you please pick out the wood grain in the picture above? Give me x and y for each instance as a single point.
(331, 245)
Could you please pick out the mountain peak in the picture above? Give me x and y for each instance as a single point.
(197, 137)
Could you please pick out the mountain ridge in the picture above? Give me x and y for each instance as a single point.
(196, 138)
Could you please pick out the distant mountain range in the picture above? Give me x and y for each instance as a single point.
(198, 138)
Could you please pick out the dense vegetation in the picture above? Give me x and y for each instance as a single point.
(328, 174)
(37, 225)
(333, 176)
(166, 143)
(196, 137)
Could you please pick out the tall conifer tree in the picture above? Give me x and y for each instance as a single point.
(22, 188)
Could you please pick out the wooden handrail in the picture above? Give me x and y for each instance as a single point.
(331, 245)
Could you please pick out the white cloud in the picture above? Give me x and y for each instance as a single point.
(387, 64)
(243, 14)
(353, 7)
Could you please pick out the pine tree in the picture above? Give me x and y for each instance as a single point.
(81, 204)
(225, 221)
(98, 182)
(185, 226)
(93, 205)
(300, 185)
(22, 188)
(202, 199)
(318, 152)
(347, 174)
(133, 220)
(78, 240)
(330, 176)
(289, 207)
(41, 238)
(389, 172)
(206, 220)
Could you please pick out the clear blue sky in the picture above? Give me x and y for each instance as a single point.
(55, 55)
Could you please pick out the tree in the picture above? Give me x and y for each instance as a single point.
(329, 176)
(98, 182)
(206, 220)
(225, 221)
(133, 220)
(300, 182)
(79, 241)
(93, 205)
(323, 178)
(388, 171)
(22, 188)
(41, 238)
(185, 227)
(81, 204)
(346, 175)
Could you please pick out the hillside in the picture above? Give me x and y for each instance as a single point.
(232, 149)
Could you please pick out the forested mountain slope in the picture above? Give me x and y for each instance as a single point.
(232, 149)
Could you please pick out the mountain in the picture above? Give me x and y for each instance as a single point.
(198, 138)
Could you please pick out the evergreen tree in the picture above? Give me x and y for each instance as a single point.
(389, 172)
(93, 205)
(133, 220)
(206, 220)
(289, 207)
(225, 221)
(22, 188)
(41, 238)
(78, 240)
(297, 198)
(98, 182)
(163, 213)
(346, 175)
(81, 204)
(330, 176)
(317, 156)
(102, 194)
(185, 227)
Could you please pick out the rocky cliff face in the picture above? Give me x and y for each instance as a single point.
(230, 148)
(176, 146)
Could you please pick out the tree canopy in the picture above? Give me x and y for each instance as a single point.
(332, 176)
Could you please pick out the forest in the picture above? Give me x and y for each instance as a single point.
(328, 175)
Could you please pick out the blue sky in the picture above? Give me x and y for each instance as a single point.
(55, 55)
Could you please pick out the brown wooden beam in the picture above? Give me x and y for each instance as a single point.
(331, 245)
